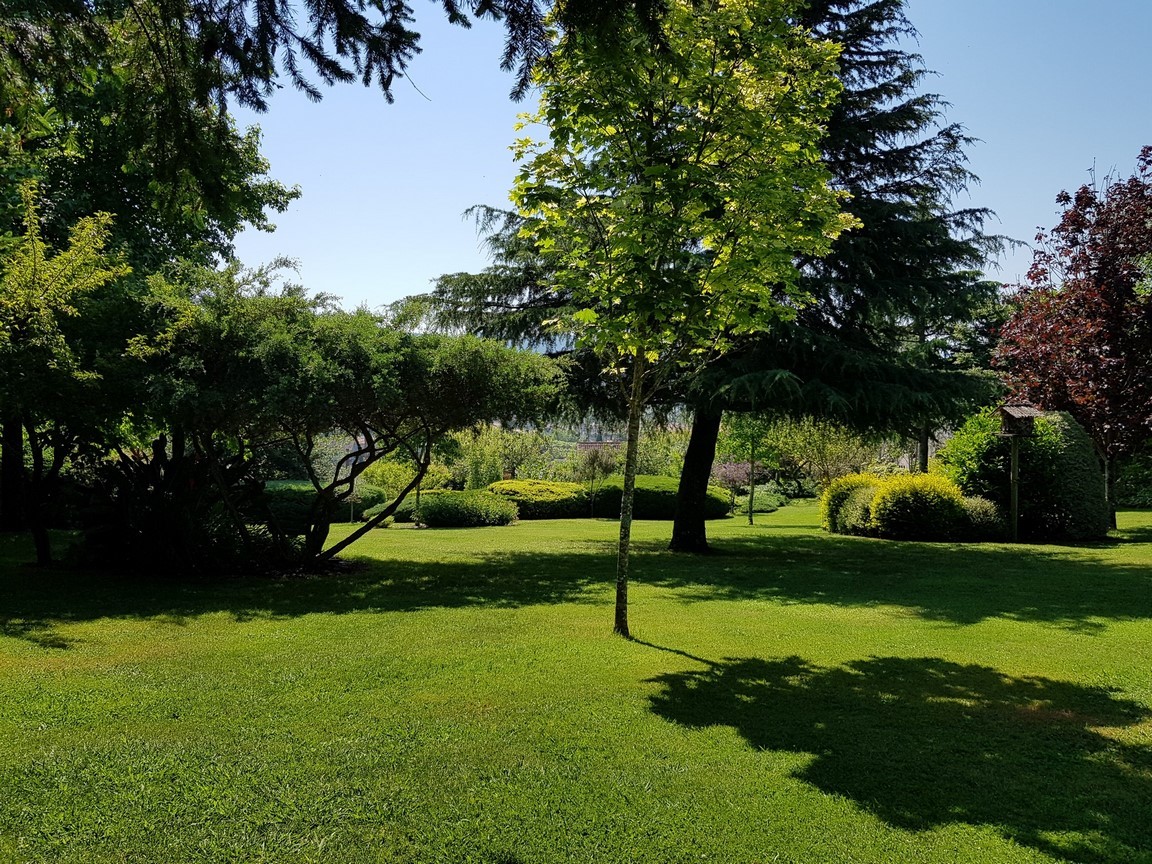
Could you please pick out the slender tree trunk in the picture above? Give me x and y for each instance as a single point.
(751, 484)
(635, 408)
(12, 475)
(689, 533)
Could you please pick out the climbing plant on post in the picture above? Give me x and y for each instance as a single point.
(680, 178)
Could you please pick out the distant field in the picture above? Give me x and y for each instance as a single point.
(459, 697)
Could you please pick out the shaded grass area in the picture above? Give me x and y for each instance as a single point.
(457, 696)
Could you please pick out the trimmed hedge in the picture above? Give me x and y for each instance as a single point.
(909, 507)
(837, 494)
(1061, 482)
(918, 507)
(470, 509)
(406, 508)
(855, 514)
(544, 499)
(655, 498)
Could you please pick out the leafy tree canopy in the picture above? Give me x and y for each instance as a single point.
(1080, 336)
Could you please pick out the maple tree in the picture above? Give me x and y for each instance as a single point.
(1080, 337)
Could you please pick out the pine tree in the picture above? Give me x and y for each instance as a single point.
(875, 347)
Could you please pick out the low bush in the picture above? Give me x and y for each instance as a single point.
(855, 515)
(544, 499)
(655, 498)
(836, 495)
(406, 508)
(918, 507)
(471, 509)
(985, 521)
(766, 500)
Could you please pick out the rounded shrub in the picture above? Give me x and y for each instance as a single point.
(984, 520)
(766, 500)
(834, 497)
(655, 498)
(544, 499)
(855, 515)
(1061, 482)
(918, 507)
(471, 509)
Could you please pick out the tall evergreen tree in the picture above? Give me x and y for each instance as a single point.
(875, 346)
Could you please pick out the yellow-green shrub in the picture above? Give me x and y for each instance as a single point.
(918, 507)
(836, 495)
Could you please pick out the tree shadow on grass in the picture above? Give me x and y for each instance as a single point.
(1083, 589)
(923, 743)
(33, 601)
(1076, 587)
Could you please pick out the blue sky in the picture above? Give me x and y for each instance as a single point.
(1051, 87)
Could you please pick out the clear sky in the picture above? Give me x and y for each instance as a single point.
(1051, 87)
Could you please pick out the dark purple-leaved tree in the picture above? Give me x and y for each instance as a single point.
(1080, 337)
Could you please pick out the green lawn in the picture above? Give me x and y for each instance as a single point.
(459, 697)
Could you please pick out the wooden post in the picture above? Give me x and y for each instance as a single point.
(1014, 517)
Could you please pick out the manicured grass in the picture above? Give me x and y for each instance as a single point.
(459, 698)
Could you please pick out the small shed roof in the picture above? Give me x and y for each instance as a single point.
(1020, 412)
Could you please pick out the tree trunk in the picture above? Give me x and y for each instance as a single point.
(752, 485)
(689, 533)
(635, 408)
(12, 475)
(923, 441)
(1110, 489)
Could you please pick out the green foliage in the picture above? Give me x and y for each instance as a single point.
(405, 510)
(655, 498)
(1134, 481)
(542, 499)
(661, 450)
(291, 502)
(837, 493)
(592, 467)
(470, 509)
(1061, 484)
(657, 152)
(823, 450)
(985, 521)
(768, 499)
(918, 507)
(855, 513)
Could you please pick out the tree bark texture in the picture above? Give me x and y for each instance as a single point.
(689, 533)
